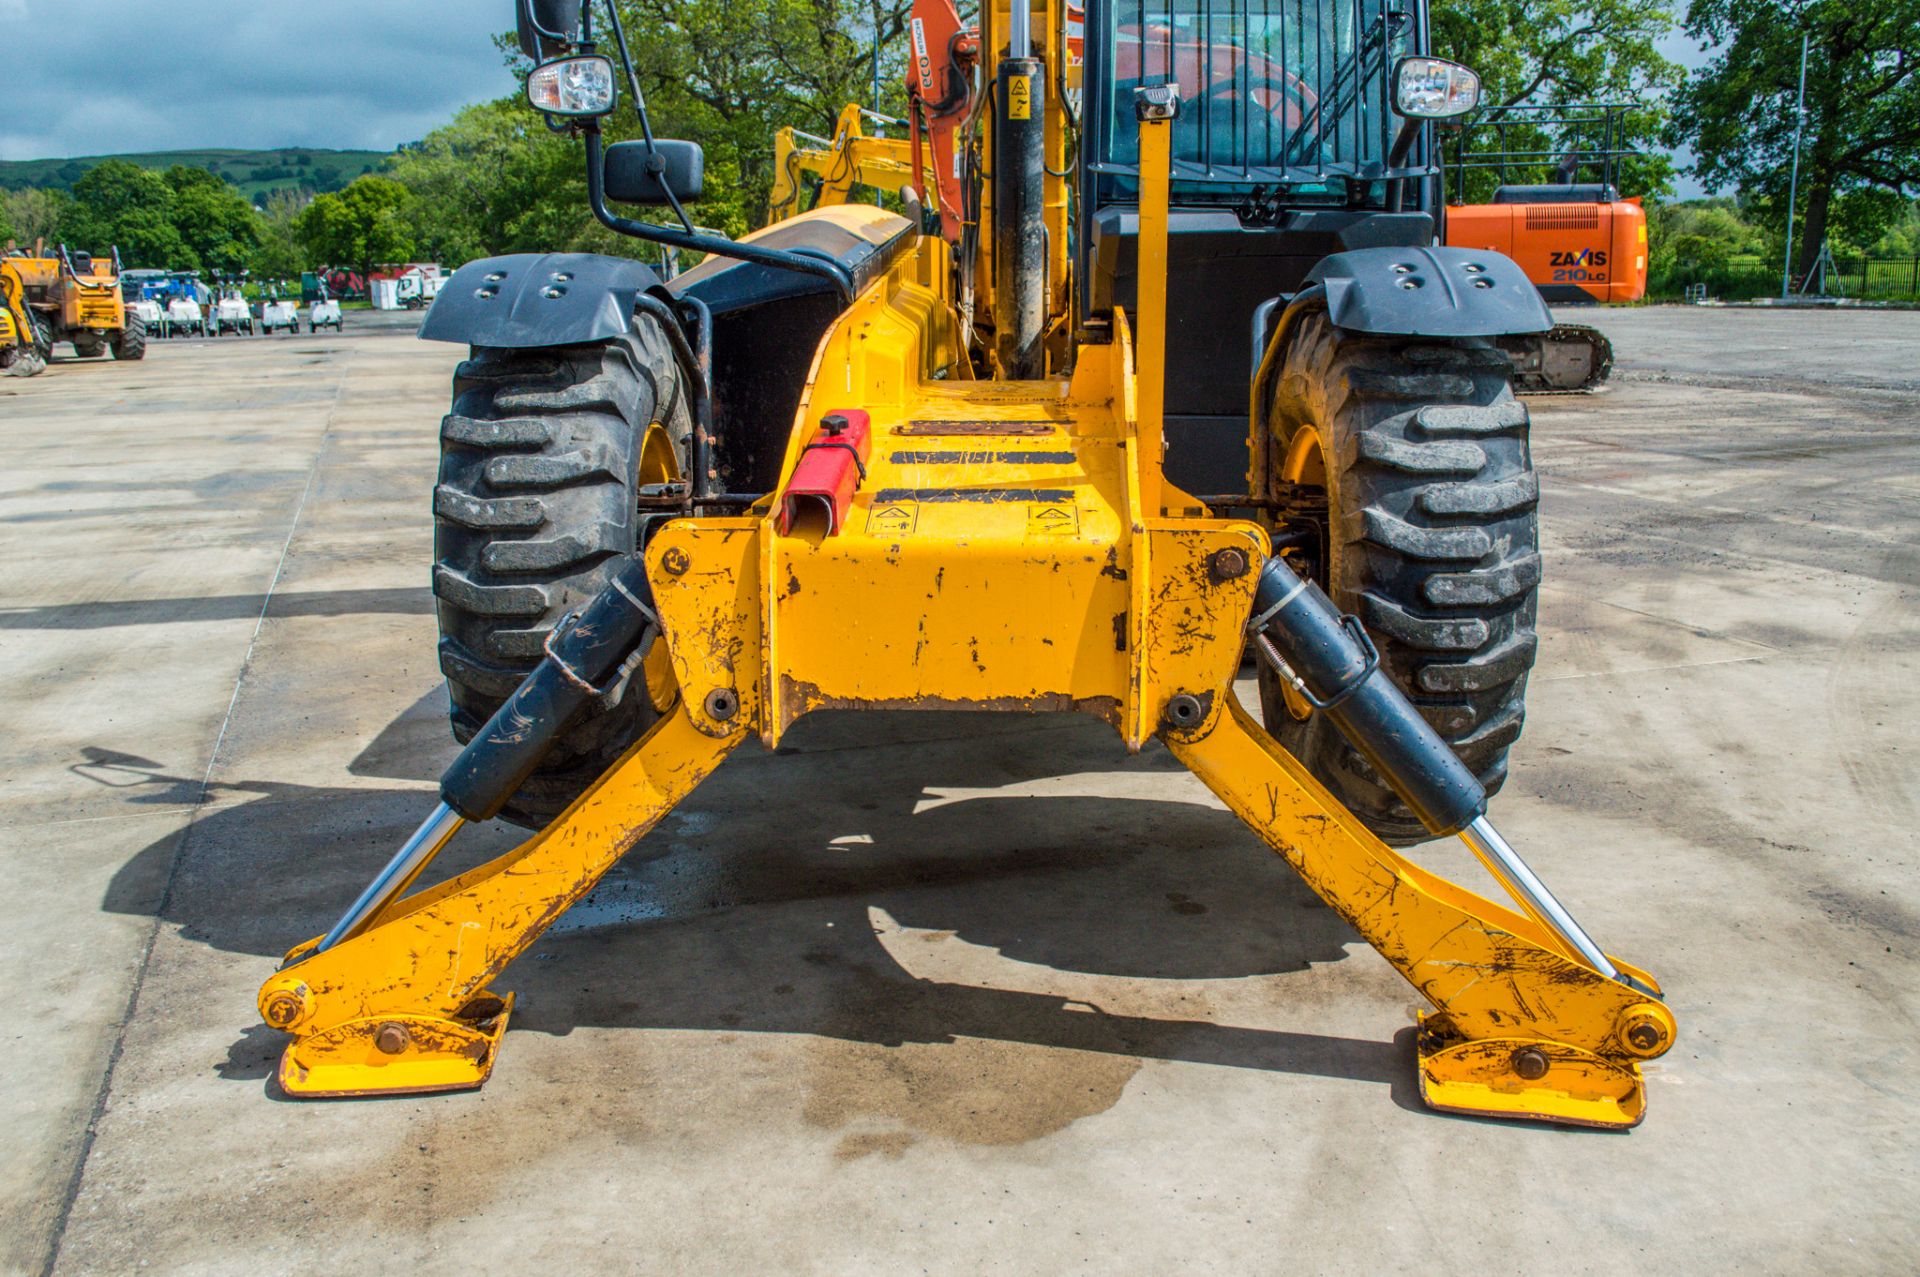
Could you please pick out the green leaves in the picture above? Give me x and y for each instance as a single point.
(1863, 109)
(1563, 52)
(367, 223)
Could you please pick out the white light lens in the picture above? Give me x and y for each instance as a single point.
(1435, 89)
(572, 86)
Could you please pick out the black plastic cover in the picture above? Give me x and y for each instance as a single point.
(527, 300)
(727, 283)
(1430, 292)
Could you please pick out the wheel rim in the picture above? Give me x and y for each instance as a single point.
(1306, 463)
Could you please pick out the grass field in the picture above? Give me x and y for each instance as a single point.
(254, 172)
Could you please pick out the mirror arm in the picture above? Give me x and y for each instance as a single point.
(597, 199)
(640, 109)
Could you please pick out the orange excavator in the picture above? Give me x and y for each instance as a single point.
(1574, 236)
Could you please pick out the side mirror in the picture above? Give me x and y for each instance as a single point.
(1434, 89)
(546, 27)
(634, 175)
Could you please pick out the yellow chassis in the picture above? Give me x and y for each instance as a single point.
(1014, 546)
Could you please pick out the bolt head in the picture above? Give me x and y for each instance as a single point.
(283, 1010)
(1184, 711)
(1646, 1030)
(722, 703)
(675, 561)
(392, 1039)
(1227, 565)
(1530, 1064)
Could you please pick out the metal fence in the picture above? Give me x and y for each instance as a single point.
(1743, 278)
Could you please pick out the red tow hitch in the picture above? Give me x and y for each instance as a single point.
(831, 468)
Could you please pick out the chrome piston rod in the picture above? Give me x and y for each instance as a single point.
(1513, 873)
(414, 855)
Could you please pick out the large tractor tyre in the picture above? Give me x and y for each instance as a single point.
(540, 464)
(131, 342)
(89, 345)
(1422, 452)
(42, 337)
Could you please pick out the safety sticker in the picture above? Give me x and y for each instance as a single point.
(1053, 520)
(893, 519)
(1019, 97)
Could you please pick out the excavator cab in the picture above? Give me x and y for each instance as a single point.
(863, 461)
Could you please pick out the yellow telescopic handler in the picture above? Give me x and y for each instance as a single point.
(1186, 379)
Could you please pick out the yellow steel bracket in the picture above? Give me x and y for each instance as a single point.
(1524, 1028)
(405, 1005)
(1521, 1031)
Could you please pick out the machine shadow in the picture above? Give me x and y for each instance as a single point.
(882, 878)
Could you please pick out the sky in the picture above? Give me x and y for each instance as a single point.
(107, 76)
(349, 74)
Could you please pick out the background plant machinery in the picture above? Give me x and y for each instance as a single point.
(277, 312)
(76, 297)
(1555, 208)
(850, 462)
(852, 166)
(324, 313)
(20, 338)
(230, 313)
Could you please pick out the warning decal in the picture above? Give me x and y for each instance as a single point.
(893, 519)
(1052, 520)
(1019, 97)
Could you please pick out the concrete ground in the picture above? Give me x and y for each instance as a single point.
(945, 993)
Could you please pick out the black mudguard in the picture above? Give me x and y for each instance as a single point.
(1443, 293)
(1428, 292)
(525, 300)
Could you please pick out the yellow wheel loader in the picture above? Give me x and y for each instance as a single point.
(77, 299)
(1190, 381)
(21, 353)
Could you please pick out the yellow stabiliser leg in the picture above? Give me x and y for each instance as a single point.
(1522, 1030)
(404, 1004)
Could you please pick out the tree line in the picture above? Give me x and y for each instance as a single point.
(729, 73)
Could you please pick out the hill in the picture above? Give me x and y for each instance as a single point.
(307, 168)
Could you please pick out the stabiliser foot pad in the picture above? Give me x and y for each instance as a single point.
(398, 1054)
(1530, 1079)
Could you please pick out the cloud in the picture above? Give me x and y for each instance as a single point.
(108, 76)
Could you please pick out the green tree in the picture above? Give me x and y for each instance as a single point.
(35, 214)
(121, 204)
(362, 226)
(729, 73)
(1562, 52)
(1863, 109)
(279, 254)
(214, 220)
